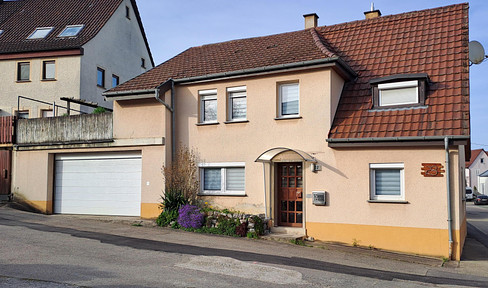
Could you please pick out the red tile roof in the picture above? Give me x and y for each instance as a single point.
(433, 41)
(20, 18)
(474, 155)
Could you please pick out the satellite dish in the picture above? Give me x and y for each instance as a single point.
(476, 52)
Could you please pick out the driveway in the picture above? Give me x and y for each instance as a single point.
(71, 251)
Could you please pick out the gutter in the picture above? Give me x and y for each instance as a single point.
(395, 139)
(161, 89)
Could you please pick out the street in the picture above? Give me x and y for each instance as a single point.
(72, 251)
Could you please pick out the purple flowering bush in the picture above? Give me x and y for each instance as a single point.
(190, 216)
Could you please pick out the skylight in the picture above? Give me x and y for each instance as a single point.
(71, 31)
(1, 32)
(40, 33)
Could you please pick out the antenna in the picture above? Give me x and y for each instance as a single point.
(476, 52)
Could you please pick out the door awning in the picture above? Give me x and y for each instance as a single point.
(268, 155)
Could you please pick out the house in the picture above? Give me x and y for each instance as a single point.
(67, 48)
(474, 168)
(355, 132)
(483, 183)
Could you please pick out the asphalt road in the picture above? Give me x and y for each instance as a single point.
(70, 251)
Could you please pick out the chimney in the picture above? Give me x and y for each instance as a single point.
(311, 20)
(373, 13)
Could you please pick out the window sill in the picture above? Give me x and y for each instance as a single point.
(23, 81)
(223, 194)
(48, 80)
(389, 201)
(100, 86)
(207, 124)
(288, 118)
(236, 121)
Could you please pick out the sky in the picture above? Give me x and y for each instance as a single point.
(174, 26)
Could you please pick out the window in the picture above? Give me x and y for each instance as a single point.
(402, 90)
(387, 181)
(45, 113)
(236, 103)
(23, 71)
(481, 160)
(100, 77)
(1, 32)
(22, 114)
(71, 31)
(223, 178)
(127, 12)
(289, 100)
(48, 70)
(208, 106)
(143, 63)
(115, 80)
(40, 33)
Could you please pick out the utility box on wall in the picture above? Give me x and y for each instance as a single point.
(319, 198)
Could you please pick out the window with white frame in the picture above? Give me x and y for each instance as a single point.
(289, 100)
(387, 181)
(398, 93)
(40, 33)
(48, 70)
(237, 103)
(222, 178)
(71, 31)
(208, 106)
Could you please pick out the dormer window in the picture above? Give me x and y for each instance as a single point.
(71, 31)
(40, 33)
(403, 90)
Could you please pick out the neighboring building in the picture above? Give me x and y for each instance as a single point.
(67, 48)
(483, 183)
(477, 165)
(337, 132)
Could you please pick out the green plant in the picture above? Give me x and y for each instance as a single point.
(297, 242)
(355, 242)
(166, 217)
(227, 226)
(99, 110)
(172, 200)
(258, 225)
(444, 261)
(137, 224)
(252, 235)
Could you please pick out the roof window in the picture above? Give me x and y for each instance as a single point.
(40, 33)
(402, 90)
(1, 32)
(71, 31)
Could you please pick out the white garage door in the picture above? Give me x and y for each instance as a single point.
(98, 184)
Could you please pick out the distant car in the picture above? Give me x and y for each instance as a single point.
(481, 199)
(469, 194)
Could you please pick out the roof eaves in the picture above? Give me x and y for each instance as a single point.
(396, 139)
(141, 27)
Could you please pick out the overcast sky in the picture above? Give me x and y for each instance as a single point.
(174, 26)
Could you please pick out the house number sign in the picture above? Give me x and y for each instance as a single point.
(432, 170)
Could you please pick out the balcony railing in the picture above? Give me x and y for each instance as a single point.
(89, 128)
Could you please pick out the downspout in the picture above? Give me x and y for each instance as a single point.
(448, 184)
(171, 109)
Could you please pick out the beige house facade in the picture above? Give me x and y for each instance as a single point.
(305, 127)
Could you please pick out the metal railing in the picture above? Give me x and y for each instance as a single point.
(47, 103)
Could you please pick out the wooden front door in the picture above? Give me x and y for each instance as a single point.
(290, 194)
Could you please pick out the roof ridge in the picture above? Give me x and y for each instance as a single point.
(320, 44)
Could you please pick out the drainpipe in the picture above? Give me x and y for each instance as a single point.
(448, 184)
(265, 201)
(170, 108)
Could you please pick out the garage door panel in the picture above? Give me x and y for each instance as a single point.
(100, 184)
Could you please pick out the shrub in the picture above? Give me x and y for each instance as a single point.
(99, 110)
(172, 200)
(227, 226)
(258, 225)
(182, 174)
(166, 217)
(190, 217)
(241, 229)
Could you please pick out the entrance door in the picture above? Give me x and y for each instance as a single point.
(290, 194)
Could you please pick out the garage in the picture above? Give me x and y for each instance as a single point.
(98, 183)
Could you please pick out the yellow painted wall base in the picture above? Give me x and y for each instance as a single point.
(150, 210)
(422, 241)
(45, 207)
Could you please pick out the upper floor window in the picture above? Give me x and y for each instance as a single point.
(46, 113)
(289, 100)
(143, 63)
(387, 181)
(23, 71)
(127, 12)
(115, 80)
(402, 90)
(48, 70)
(100, 77)
(71, 31)
(40, 33)
(22, 114)
(237, 104)
(208, 106)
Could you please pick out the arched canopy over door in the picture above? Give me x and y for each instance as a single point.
(268, 155)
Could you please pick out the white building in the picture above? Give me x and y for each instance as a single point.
(475, 167)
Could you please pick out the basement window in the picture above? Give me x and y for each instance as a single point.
(403, 90)
(40, 33)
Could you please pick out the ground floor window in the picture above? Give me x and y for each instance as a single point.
(387, 181)
(222, 178)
